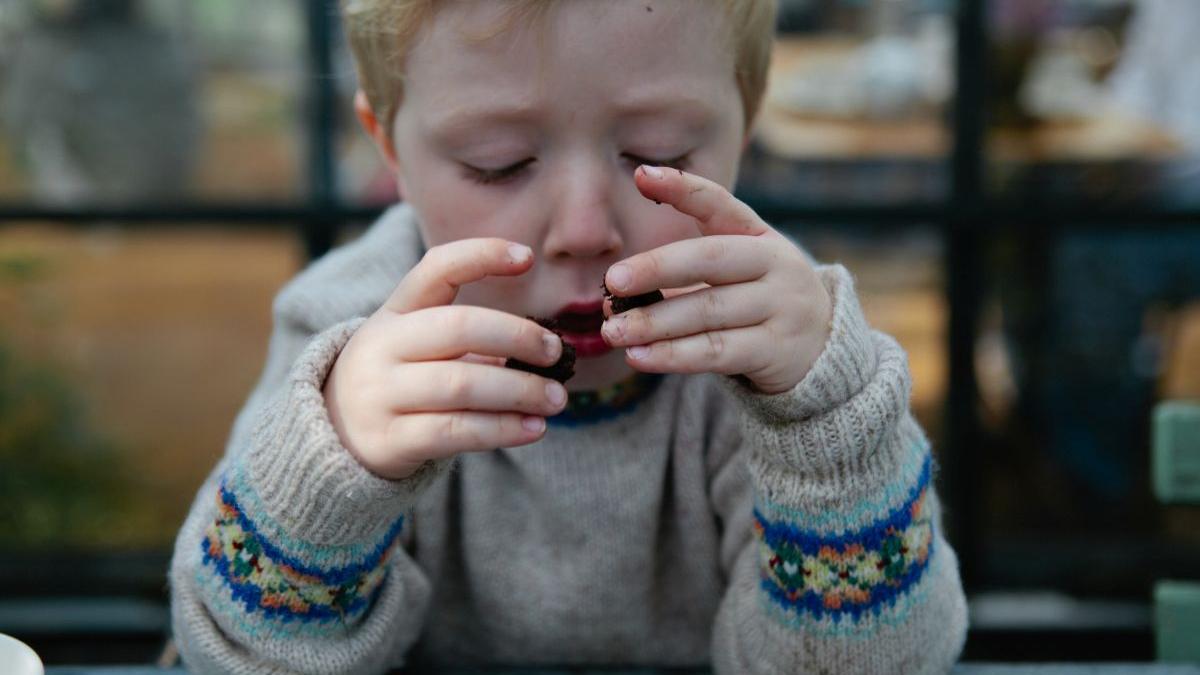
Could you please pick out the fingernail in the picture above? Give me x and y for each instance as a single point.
(619, 277)
(534, 424)
(639, 352)
(553, 345)
(519, 253)
(613, 327)
(653, 171)
(556, 393)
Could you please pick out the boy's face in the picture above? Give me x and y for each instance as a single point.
(533, 135)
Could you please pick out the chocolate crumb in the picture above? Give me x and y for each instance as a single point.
(620, 305)
(648, 9)
(547, 323)
(657, 203)
(562, 370)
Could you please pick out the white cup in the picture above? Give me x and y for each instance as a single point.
(16, 658)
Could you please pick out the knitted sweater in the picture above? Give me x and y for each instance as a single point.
(703, 523)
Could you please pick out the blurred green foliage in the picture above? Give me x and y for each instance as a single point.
(61, 483)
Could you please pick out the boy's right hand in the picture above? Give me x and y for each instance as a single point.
(422, 379)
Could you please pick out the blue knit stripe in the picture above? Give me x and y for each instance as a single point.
(809, 542)
(336, 576)
(917, 461)
(883, 595)
(251, 624)
(323, 556)
(829, 624)
(250, 597)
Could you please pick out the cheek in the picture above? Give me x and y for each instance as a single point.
(507, 294)
(667, 225)
(449, 211)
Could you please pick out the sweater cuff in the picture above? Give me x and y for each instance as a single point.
(306, 481)
(851, 400)
(846, 364)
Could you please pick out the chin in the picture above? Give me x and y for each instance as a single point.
(599, 372)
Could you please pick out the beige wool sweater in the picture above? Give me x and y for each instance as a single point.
(692, 522)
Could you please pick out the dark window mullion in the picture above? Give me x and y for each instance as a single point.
(961, 250)
(319, 227)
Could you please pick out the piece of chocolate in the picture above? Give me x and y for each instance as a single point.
(620, 305)
(562, 370)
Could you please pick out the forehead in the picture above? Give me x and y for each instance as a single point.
(581, 51)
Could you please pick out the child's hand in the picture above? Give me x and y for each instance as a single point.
(422, 380)
(764, 312)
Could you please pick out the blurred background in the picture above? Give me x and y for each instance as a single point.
(1015, 183)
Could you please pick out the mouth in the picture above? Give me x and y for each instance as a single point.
(580, 317)
(579, 324)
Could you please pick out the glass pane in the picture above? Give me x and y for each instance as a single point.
(856, 105)
(124, 356)
(121, 102)
(1082, 335)
(1096, 100)
(854, 111)
(900, 282)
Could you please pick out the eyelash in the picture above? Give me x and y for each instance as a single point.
(676, 163)
(503, 174)
(492, 176)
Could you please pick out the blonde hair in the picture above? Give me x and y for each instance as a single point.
(380, 33)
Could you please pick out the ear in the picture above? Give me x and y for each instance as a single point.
(370, 123)
(748, 136)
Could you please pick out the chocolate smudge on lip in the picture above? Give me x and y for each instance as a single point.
(562, 370)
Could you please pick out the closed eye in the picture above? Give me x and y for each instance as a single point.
(492, 176)
(674, 163)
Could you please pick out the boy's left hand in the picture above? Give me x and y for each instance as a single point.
(757, 309)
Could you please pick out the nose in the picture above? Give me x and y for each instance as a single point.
(584, 221)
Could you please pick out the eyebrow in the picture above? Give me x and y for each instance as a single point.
(695, 111)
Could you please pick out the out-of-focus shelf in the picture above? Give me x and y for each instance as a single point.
(1108, 136)
(793, 135)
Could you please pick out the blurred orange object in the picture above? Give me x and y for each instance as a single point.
(1181, 376)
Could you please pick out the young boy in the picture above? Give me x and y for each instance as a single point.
(735, 478)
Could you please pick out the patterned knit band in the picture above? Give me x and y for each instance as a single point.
(852, 574)
(269, 583)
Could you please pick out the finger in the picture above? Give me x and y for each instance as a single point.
(448, 332)
(606, 307)
(716, 210)
(435, 386)
(709, 309)
(445, 434)
(672, 292)
(729, 352)
(435, 280)
(497, 361)
(716, 260)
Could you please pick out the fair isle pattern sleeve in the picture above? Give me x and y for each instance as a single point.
(288, 592)
(289, 560)
(833, 540)
(826, 579)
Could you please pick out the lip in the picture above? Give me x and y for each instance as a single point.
(582, 307)
(587, 345)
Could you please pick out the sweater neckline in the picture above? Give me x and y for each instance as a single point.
(589, 407)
